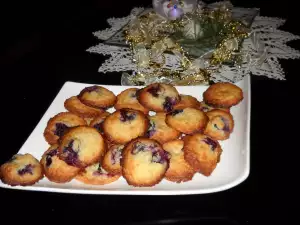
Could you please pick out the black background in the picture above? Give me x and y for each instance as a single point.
(43, 45)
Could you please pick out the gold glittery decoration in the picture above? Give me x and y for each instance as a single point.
(149, 38)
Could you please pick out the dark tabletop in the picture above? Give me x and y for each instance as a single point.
(43, 45)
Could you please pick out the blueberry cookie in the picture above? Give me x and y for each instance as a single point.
(202, 153)
(187, 101)
(98, 121)
(220, 124)
(188, 120)
(96, 175)
(21, 170)
(179, 170)
(124, 125)
(82, 146)
(74, 105)
(206, 108)
(159, 130)
(97, 96)
(159, 97)
(128, 99)
(59, 124)
(223, 95)
(57, 170)
(144, 162)
(112, 158)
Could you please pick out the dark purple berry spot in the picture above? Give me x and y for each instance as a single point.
(71, 156)
(151, 131)
(60, 129)
(101, 172)
(98, 126)
(138, 146)
(126, 116)
(226, 124)
(177, 111)
(213, 144)
(90, 89)
(161, 156)
(169, 103)
(154, 90)
(116, 155)
(49, 156)
(27, 169)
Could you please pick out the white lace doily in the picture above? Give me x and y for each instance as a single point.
(269, 42)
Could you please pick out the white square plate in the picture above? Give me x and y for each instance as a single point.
(233, 168)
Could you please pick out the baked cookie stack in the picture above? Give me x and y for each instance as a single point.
(179, 138)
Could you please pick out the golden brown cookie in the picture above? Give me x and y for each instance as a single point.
(188, 120)
(159, 97)
(179, 170)
(96, 175)
(159, 130)
(82, 146)
(59, 124)
(112, 158)
(97, 96)
(98, 121)
(128, 99)
(220, 124)
(57, 170)
(206, 108)
(187, 101)
(202, 153)
(21, 170)
(223, 95)
(144, 162)
(74, 105)
(124, 125)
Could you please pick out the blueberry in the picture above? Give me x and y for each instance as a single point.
(213, 144)
(27, 169)
(226, 124)
(60, 129)
(98, 126)
(126, 116)
(154, 90)
(137, 147)
(151, 131)
(169, 103)
(49, 156)
(90, 89)
(71, 155)
(160, 156)
(176, 111)
(116, 155)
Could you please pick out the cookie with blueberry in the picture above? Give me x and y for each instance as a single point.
(144, 162)
(223, 95)
(187, 120)
(55, 169)
(96, 175)
(59, 124)
(82, 146)
(21, 170)
(159, 130)
(179, 170)
(97, 96)
(202, 153)
(128, 99)
(124, 125)
(220, 124)
(159, 97)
